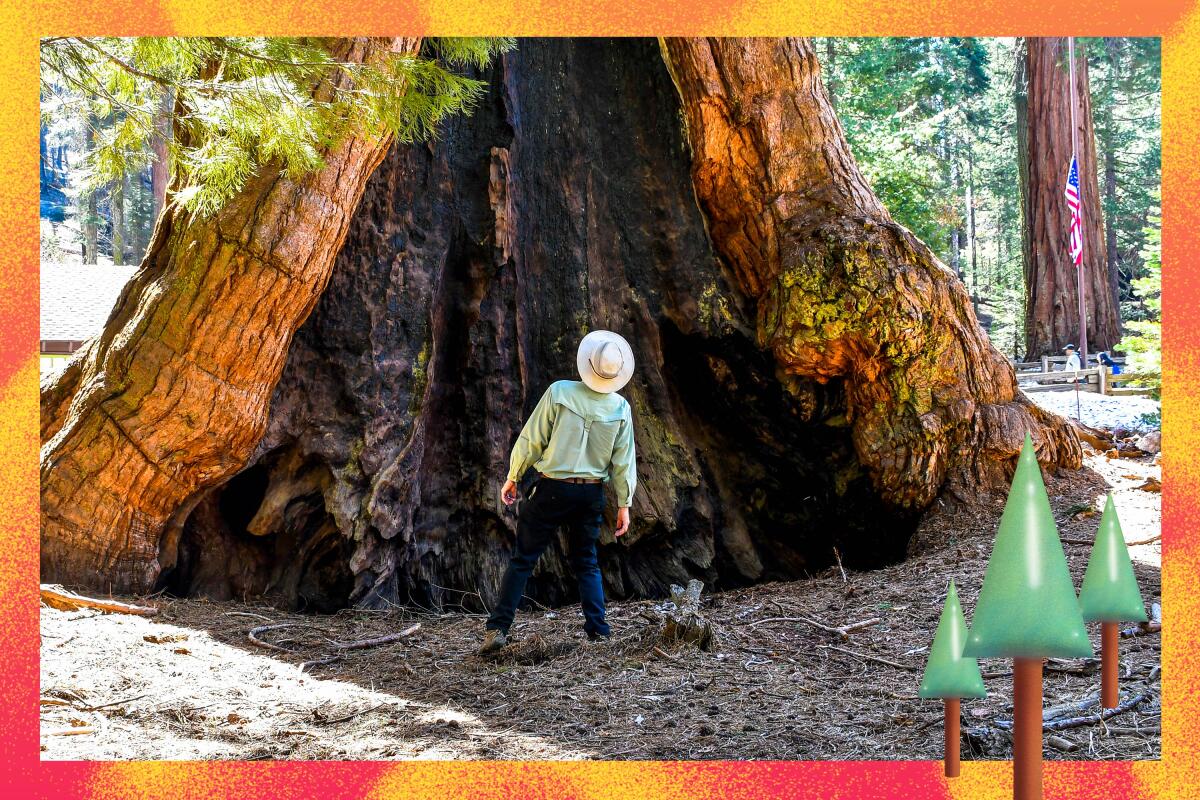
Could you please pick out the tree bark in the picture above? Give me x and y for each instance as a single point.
(808, 374)
(116, 211)
(1051, 284)
(90, 211)
(843, 292)
(472, 268)
(159, 175)
(173, 396)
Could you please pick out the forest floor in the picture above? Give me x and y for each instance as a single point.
(188, 684)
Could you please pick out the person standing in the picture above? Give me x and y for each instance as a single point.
(1106, 360)
(579, 436)
(1072, 364)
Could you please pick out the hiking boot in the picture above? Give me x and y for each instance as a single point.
(493, 640)
(598, 637)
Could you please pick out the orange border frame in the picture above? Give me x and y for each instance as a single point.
(1177, 21)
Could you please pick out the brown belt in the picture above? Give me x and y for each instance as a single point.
(572, 480)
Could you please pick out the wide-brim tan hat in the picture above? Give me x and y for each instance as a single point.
(605, 361)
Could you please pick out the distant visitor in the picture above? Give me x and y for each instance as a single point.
(1072, 364)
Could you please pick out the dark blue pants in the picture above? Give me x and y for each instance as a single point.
(553, 504)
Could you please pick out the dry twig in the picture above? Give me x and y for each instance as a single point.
(867, 657)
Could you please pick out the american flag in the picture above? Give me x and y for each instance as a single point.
(1072, 193)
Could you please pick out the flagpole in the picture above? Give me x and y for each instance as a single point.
(1083, 342)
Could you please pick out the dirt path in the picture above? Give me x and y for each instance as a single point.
(189, 685)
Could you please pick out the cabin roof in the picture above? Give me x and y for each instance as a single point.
(76, 299)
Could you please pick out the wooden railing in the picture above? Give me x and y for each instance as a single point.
(1050, 364)
(1094, 379)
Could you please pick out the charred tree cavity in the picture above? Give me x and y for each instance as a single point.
(474, 265)
(275, 536)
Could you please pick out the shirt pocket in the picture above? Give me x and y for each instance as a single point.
(602, 436)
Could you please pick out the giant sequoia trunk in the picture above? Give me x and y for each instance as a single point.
(843, 293)
(173, 397)
(1051, 282)
(808, 375)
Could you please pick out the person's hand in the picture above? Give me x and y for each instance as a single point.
(509, 493)
(622, 521)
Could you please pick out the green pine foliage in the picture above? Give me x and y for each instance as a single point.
(1143, 336)
(241, 103)
(905, 104)
(1126, 85)
(932, 124)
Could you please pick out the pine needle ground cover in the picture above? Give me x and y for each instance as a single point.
(774, 687)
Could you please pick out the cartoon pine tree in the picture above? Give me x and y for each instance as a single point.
(1110, 595)
(1027, 611)
(949, 676)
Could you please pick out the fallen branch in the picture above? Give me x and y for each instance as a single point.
(247, 614)
(1134, 543)
(1079, 722)
(316, 662)
(1097, 438)
(867, 657)
(1076, 708)
(71, 732)
(843, 632)
(1059, 743)
(57, 597)
(110, 705)
(1153, 625)
(1142, 629)
(365, 643)
(351, 715)
(252, 635)
(846, 630)
(1087, 667)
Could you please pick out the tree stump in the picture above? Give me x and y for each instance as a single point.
(682, 620)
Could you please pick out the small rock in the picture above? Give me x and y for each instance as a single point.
(1150, 443)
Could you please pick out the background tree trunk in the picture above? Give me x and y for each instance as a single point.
(569, 202)
(116, 210)
(159, 175)
(843, 292)
(173, 396)
(90, 212)
(1052, 306)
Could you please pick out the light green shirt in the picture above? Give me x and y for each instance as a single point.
(576, 432)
